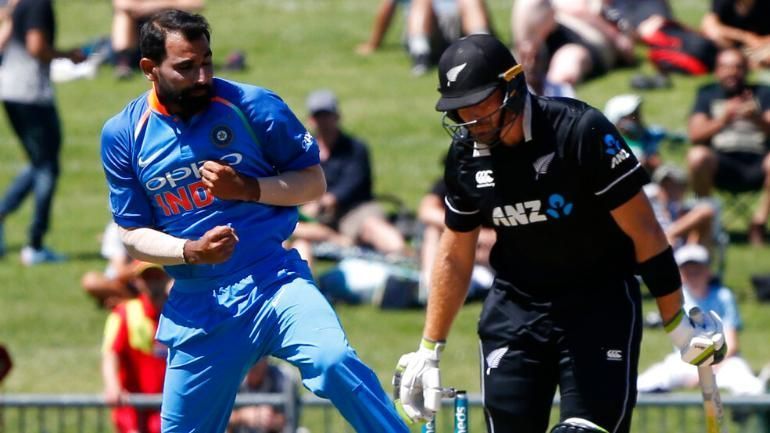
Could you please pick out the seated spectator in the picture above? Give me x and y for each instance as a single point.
(673, 47)
(729, 126)
(536, 74)
(577, 40)
(127, 17)
(431, 26)
(382, 21)
(733, 373)
(309, 232)
(263, 377)
(625, 112)
(683, 222)
(132, 360)
(740, 24)
(113, 286)
(431, 214)
(348, 205)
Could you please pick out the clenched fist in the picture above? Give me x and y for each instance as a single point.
(215, 246)
(223, 182)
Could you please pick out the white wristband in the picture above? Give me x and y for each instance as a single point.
(152, 245)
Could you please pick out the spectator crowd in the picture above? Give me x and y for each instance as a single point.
(560, 45)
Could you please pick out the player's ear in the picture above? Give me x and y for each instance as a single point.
(148, 68)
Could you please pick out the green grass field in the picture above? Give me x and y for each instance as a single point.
(292, 46)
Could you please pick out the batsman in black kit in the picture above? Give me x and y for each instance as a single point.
(564, 194)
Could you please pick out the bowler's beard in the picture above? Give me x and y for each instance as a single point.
(183, 101)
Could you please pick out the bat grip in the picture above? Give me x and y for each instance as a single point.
(712, 402)
(706, 376)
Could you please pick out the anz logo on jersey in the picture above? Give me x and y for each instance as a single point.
(529, 212)
(615, 150)
(183, 195)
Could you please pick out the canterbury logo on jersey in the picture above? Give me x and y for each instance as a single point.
(184, 197)
(529, 212)
(484, 179)
(614, 355)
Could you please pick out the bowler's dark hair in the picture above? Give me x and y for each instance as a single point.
(152, 36)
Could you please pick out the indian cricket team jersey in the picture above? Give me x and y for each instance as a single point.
(549, 198)
(152, 161)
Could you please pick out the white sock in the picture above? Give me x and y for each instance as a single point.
(419, 45)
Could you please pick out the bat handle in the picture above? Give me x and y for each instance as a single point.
(707, 381)
(712, 402)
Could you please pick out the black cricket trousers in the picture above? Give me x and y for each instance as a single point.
(587, 345)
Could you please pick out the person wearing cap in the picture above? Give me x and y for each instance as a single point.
(625, 112)
(205, 177)
(683, 221)
(700, 290)
(730, 128)
(563, 191)
(132, 361)
(348, 204)
(113, 286)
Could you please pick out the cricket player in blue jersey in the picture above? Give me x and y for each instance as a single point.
(204, 176)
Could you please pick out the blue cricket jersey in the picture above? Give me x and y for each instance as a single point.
(152, 161)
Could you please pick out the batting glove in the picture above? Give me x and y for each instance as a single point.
(698, 336)
(417, 383)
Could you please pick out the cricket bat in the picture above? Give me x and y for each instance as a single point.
(712, 402)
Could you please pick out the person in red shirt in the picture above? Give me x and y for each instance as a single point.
(132, 360)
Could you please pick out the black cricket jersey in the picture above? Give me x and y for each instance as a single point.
(549, 198)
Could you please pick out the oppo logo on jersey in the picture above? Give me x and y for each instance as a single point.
(170, 178)
(188, 197)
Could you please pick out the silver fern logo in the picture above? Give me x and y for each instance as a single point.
(541, 164)
(451, 75)
(494, 358)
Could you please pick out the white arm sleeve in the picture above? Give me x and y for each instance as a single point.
(153, 246)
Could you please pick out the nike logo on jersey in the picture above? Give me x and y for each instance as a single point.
(145, 162)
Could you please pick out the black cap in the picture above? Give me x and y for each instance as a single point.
(470, 70)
